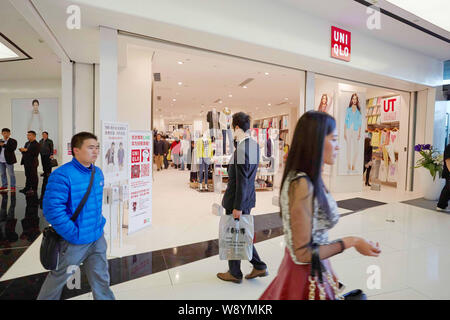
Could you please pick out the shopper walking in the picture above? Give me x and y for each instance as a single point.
(30, 154)
(165, 151)
(445, 194)
(308, 210)
(158, 151)
(240, 197)
(8, 147)
(367, 159)
(46, 153)
(83, 240)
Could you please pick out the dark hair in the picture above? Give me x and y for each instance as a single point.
(5, 130)
(351, 103)
(79, 138)
(242, 120)
(35, 100)
(306, 151)
(367, 143)
(45, 132)
(32, 132)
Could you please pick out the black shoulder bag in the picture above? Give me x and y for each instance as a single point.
(51, 241)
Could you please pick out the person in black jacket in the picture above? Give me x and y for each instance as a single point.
(367, 159)
(240, 196)
(30, 154)
(445, 193)
(7, 160)
(46, 153)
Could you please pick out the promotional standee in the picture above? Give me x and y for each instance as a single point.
(114, 159)
(351, 122)
(140, 182)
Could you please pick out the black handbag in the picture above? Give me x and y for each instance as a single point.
(53, 163)
(51, 240)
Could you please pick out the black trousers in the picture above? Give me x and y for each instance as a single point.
(235, 265)
(32, 180)
(445, 195)
(367, 174)
(46, 164)
(166, 162)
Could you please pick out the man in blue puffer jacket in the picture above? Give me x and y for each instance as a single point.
(83, 240)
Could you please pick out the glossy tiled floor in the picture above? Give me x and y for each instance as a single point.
(158, 263)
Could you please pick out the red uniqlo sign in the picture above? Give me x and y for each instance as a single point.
(341, 44)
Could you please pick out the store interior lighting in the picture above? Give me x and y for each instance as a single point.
(6, 53)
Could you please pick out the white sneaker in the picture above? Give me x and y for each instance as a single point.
(443, 210)
(200, 187)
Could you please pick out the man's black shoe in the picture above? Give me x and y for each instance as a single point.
(23, 190)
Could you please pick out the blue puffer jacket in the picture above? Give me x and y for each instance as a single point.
(65, 189)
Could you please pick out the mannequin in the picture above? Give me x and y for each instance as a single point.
(225, 120)
(204, 152)
(213, 119)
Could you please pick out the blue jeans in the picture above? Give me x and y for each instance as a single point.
(204, 164)
(93, 257)
(12, 178)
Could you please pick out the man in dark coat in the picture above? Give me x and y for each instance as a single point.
(30, 154)
(240, 197)
(8, 147)
(445, 194)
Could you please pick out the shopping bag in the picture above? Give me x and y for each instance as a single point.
(236, 237)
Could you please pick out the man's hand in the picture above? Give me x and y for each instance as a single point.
(2, 144)
(23, 149)
(237, 214)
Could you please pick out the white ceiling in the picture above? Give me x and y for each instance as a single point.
(44, 64)
(354, 15)
(207, 77)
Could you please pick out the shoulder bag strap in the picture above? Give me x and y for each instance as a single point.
(86, 196)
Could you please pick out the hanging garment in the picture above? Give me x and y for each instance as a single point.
(385, 156)
(392, 173)
(393, 140)
(375, 139)
(390, 150)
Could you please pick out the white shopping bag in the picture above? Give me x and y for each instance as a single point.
(236, 237)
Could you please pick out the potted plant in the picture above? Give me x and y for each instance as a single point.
(431, 166)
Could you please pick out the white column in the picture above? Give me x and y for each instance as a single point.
(108, 74)
(84, 97)
(310, 90)
(66, 126)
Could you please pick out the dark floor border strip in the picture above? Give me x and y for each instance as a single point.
(27, 287)
(405, 21)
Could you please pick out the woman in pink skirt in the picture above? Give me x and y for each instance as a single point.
(308, 211)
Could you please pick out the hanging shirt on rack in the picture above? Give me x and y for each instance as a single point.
(375, 139)
(393, 140)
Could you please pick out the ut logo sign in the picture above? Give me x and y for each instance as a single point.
(74, 19)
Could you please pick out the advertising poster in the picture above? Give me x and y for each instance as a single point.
(140, 182)
(42, 115)
(324, 102)
(351, 122)
(114, 151)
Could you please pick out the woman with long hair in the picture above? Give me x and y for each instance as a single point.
(367, 159)
(324, 105)
(352, 131)
(308, 211)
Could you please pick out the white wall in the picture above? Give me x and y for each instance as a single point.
(27, 89)
(134, 89)
(272, 31)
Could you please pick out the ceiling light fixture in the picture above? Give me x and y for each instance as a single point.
(6, 53)
(180, 83)
(180, 62)
(245, 87)
(286, 98)
(230, 95)
(174, 100)
(269, 104)
(266, 73)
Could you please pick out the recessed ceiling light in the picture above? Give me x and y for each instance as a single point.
(180, 62)
(174, 100)
(266, 73)
(6, 53)
(286, 98)
(230, 95)
(269, 104)
(245, 87)
(180, 83)
(220, 101)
